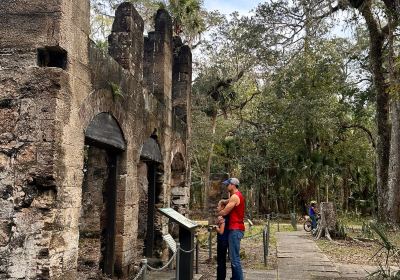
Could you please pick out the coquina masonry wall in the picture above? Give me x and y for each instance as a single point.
(53, 82)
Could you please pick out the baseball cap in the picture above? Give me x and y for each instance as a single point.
(233, 181)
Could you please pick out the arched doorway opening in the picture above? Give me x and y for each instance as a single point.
(150, 179)
(104, 145)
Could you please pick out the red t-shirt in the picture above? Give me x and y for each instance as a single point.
(236, 216)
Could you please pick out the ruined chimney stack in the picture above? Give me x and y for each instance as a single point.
(125, 40)
(158, 58)
(163, 24)
(181, 79)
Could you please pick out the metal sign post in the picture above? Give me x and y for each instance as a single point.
(186, 242)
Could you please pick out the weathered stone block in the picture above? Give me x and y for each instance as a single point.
(163, 24)
(30, 6)
(45, 154)
(69, 217)
(8, 120)
(5, 233)
(34, 30)
(127, 19)
(81, 15)
(181, 201)
(126, 39)
(5, 162)
(6, 206)
(179, 191)
(45, 200)
(70, 197)
(47, 110)
(26, 156)
(12, 63)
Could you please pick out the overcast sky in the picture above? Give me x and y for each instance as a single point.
(229, 6)
(245, 6)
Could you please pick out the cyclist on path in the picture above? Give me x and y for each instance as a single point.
(312, 212)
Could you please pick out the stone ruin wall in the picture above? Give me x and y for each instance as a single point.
(53, 82)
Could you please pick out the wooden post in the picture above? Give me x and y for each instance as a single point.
(178, 256)
(197, 254)
(144, 263)
(209, 243)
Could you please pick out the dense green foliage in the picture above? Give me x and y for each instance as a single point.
(295, 123)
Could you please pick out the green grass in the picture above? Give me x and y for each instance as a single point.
(274, 230)
(258, 229)
(353, 220)
(254, 230)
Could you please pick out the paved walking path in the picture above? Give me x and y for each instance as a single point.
(300, 258)
(251, 274)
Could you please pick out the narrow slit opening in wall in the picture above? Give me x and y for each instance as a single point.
(52, 57)
(177, 182)
(153, 236)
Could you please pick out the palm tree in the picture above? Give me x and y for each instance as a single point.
(188, 18)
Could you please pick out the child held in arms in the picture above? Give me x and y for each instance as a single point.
(222, 243)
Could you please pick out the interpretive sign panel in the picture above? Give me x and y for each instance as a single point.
(170, 242)
(186, 241)
(179, 218)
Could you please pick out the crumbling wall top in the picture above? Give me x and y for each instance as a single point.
(127, 19)
(163, 23)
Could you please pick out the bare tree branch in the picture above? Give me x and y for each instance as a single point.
(363, 128)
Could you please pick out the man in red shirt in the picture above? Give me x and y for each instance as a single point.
(235, 207)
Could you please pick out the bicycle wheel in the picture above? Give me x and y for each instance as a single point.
(307, 226)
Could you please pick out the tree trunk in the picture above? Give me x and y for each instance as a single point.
(346, 193)
(264, 202)
(394, 166)
(257, 199)
(394, 163)
(327, 223)
(207, 172)
(382, 109)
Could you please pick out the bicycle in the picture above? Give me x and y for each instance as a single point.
(308, 224)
